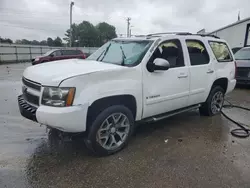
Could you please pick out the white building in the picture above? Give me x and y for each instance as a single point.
(236, 34)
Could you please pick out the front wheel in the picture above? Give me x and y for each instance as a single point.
(110, 131)
(214, 102)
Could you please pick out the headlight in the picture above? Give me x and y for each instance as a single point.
(59, 97)
(37, 59)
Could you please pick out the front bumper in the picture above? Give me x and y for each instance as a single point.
(26, 109)
(67, 119)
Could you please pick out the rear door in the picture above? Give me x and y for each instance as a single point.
(201, 71)
(69, 54)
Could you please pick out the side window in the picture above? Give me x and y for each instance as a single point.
(73, 52)
(221, 51)
(57, 53)
(78, 52)
(171, 51)
(66, 52)
(197, 52)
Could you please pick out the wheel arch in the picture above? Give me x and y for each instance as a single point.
(100, 104)
(222, 82)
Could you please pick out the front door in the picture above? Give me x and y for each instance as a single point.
(56, 55)
(168, 90)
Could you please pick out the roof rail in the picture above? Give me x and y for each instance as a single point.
(180, 33)
(169, 33)
(204, 35)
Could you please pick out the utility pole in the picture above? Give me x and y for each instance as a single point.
(70, 20)
(128, 26)
(130, 31)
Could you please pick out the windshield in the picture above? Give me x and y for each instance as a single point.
(243, 54)
(48, 52)
(122, 52)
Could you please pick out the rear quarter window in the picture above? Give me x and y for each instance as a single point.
(221, 51)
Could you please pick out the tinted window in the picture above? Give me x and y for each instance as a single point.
(243, 54)
(171, 51)
(197, 52)
(68, 52)
(78, 52)
(221, 51)
(57, 53)
(235, 50)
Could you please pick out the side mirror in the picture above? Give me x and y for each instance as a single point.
(51, 55)
(161, 64)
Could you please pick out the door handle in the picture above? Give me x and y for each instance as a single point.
(183, 75)
(210, 71)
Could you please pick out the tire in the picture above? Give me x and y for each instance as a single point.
(104, 124)
(207, 108)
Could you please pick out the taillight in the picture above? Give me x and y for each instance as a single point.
(235, 65)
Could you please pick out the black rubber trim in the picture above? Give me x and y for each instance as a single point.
(26, 109)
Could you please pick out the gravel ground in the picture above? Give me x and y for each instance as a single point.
(183, 151)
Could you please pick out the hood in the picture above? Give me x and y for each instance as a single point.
(53, 73)
(243, 63)
(34, 57)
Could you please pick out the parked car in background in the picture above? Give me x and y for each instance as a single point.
(234, 50)
(58, 54)
(242, 58)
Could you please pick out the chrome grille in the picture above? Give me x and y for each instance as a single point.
(242, 71)
(29, 90)
(31, 84)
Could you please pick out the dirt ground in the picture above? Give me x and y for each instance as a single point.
(183, 151)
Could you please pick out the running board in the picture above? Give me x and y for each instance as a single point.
(172, 113)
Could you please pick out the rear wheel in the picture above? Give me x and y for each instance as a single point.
(110, 131)
(214, 102)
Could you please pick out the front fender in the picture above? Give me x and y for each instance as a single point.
(94, 86)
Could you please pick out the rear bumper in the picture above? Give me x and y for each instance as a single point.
(242, 80)
(26, 109)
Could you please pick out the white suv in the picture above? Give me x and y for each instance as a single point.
(127, 80)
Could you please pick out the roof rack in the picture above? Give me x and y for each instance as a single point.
(179, 33)
(204, 35)
(169, 33)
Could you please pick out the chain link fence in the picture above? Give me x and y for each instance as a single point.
(24, 53)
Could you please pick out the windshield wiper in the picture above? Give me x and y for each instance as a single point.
(104, 52)
(123, 56)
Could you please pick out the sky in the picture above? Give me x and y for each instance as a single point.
(39, 19)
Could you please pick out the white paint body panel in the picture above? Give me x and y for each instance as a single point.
(155, 93)
(70, 119)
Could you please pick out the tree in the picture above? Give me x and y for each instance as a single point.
(43, 43)
(50, 41)
(35, 42)
(18, 41)
(25, 41)
(75, 35)
(105, 32)
(58, 41)
(86, 34)
(6, 40)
